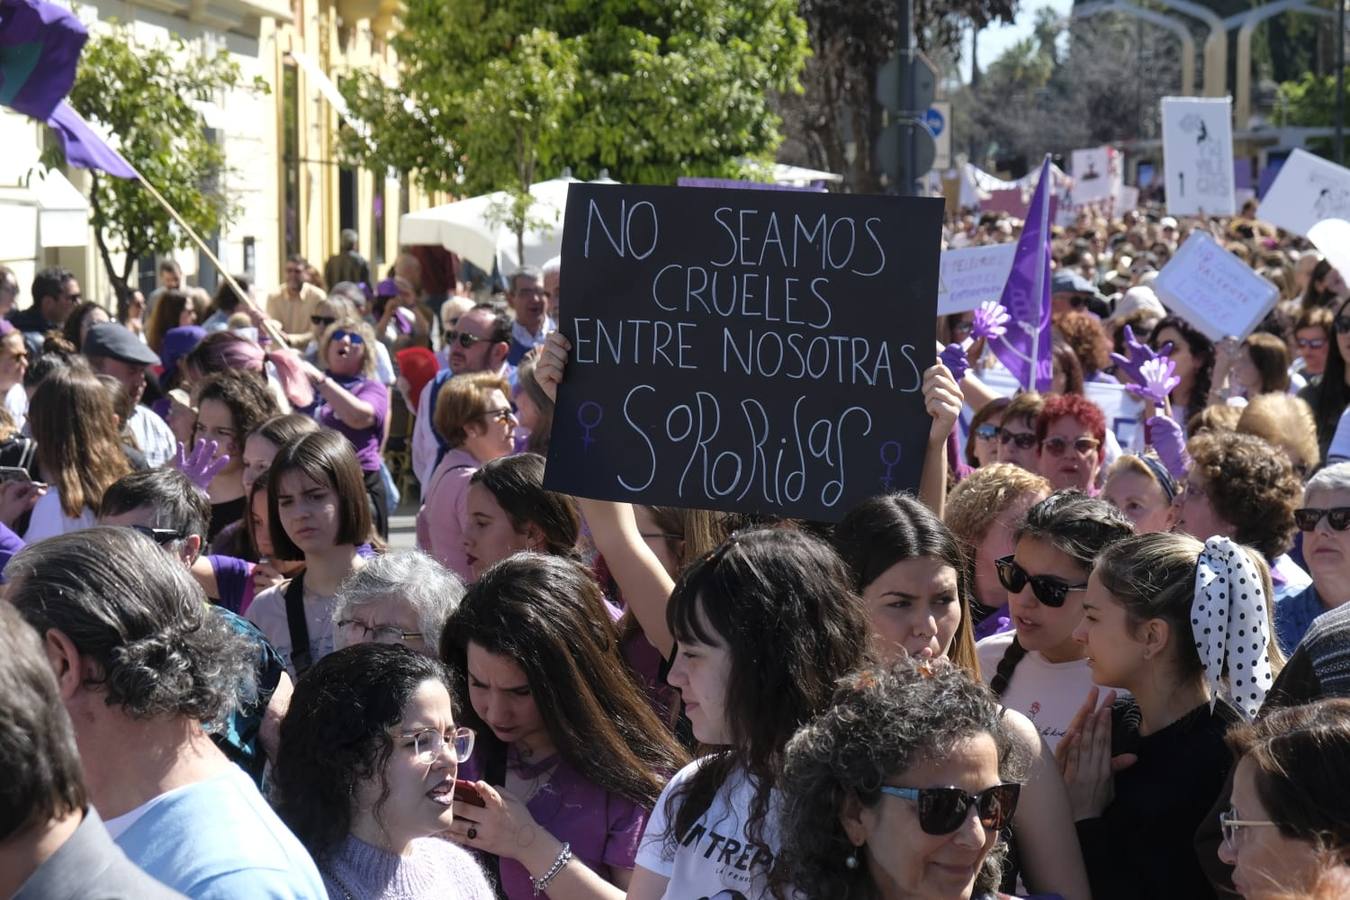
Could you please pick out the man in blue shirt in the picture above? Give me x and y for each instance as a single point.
(141, 662)
(529, 301)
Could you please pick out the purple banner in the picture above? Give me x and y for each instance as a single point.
(1025, 348)
(40, 45)
(84, 148)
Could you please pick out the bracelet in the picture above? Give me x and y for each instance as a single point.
(564, 857)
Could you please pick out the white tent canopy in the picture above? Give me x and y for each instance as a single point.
(469, 227)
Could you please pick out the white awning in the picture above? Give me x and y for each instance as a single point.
(329, 90)
(63, 212)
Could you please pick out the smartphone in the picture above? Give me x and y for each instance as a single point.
(14, 473)
(467, 791)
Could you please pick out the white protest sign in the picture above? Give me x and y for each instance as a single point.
(1332, 238)
(971, 275)
(1214, 290)
(1096, 175)
(1198, 155)
(1129, 199)
(1307, 190)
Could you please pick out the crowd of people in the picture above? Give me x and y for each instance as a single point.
(1090, 656)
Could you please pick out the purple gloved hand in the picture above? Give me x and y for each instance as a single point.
(201, 465)
(1136, 355)
(1165, 437)
(991, 321)
(953, 356)
(1156, 380)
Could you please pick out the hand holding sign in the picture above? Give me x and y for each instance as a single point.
(1156, 380)
(548, 370)
(943, 400)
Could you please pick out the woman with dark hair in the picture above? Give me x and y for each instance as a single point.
(1313, 331)
(173, 309)
(1067, 371)
(1258, 365)
(879, 789)
(509, 511)
(316, 512)
(914, 580)
(353, 403)
(1329, 394)
(225, 350)
(224, 304)
(534, 407)
(1181, 626)
(83, 317)
(571, 756)
(230, 405)
(763, 589)
(365, 776)
(982, 447)
(79, 451)
(1038, 668)
(1288, 831)
(1325, 288)
(232, 580)
(260, 447)
(1193, 354)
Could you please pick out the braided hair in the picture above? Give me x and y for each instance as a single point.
(1078, 526)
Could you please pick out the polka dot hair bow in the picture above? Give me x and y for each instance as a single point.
(1228, 620)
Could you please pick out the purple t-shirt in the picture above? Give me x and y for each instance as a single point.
(603, 829)
(234, 582)
(366, 441)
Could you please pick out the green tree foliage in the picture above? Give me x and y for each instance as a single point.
(495, 94)
(1310, 102)
(143, 94)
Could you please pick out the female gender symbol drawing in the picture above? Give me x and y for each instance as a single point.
(890, 458)
(598, 415)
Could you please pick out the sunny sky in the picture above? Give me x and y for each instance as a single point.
(997, 38)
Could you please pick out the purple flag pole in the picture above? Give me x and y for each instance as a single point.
(1025, 347)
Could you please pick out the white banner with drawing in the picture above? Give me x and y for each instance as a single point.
(1214, 290)
(1198, 155)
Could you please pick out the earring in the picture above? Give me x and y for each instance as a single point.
(851, 861)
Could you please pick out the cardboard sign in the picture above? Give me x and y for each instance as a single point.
(1307, 190)
(1096, 175)
(971, 275)
(1214, 290)
(1198, 155)
(755, 351)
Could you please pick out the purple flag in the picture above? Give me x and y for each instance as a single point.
(1025, 347)
(40, 45)
(84, 148)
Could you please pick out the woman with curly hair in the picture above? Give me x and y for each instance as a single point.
(1242, 488)
(1084, 334)
(365, 776)
(899, 788)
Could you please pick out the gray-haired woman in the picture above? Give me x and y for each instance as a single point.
(400, 598)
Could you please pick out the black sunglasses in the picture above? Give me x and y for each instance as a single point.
(942, 810)
(1024, 441)
(1048, 589)
(1342, 324)
(465, 339)
(325, 321)
(160, 536)
(1307, 518)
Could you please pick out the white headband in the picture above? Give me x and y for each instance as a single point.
(1228, 619)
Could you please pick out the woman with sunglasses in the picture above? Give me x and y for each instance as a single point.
(900, 788)
(473, 416)
(351, 401)
(1071, 430)
(982, 448)
(1287, 833)
(1017, 443)
(365, 776)
(1182, 627)
(1329, 394)
(328, 312)
(571, 756)
(913, 578)
(1038, 668)
(1324, 519)
(1313, 331)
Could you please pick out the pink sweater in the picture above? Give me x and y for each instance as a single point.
(444, 512)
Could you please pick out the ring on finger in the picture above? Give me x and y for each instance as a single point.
(472, 833)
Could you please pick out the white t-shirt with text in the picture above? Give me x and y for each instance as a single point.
(1049, 694)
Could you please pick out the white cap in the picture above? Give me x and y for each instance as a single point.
(1167, 222)
(1137, 298)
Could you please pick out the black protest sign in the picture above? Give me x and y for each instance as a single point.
(744, 350)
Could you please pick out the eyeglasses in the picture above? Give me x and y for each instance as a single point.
(325, 321)
(1024, 440)
(349, 335)
(1047, 589)
(429, 744)
(1230, 824)
(1310, 343)
(160, 536)
(1307, 518)
(1056, 446)
(1342, 324)
(987, 432)
(942, 810)
(380, 634)
(505, 416)
(962, 327)
(463, 338)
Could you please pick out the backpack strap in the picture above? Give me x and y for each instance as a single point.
(297, 624)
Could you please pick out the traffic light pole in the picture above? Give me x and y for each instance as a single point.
(905, 46)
